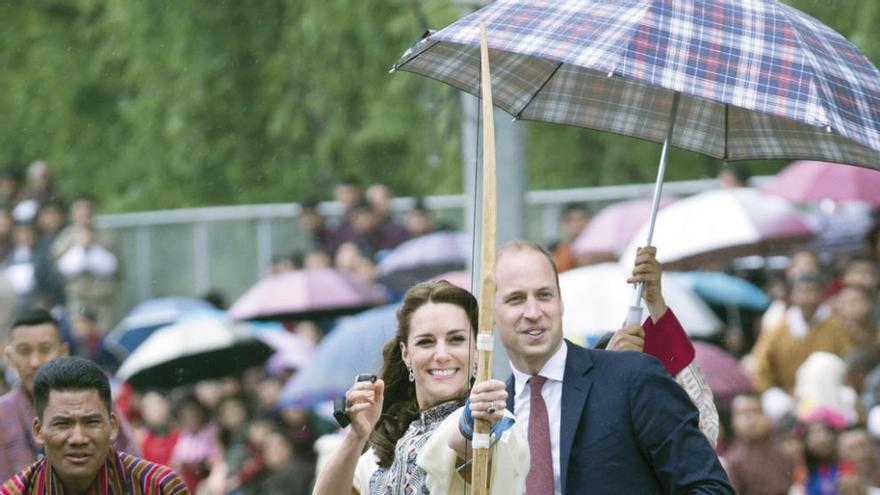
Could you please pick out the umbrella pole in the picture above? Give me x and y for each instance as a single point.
(634, 316)
(485, 342)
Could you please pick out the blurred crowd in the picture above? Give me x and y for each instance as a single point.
(54, 257)
(809, 424)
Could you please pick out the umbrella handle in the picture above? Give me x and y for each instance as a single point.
(634, 316)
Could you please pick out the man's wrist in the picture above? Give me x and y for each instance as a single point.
(657, 309)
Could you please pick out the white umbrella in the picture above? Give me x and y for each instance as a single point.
(719, 225)
(595, 295)
(201, 346)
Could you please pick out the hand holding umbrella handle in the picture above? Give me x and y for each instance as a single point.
(634, 316)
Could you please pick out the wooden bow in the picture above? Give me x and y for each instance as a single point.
(480, 469)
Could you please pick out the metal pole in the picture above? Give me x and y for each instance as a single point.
(634, 316)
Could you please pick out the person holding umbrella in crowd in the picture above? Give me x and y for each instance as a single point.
(412, 417)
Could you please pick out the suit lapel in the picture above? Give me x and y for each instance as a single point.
(576, 386)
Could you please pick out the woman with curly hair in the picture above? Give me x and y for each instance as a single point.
(407, 432)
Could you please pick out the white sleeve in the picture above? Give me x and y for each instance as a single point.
(72, 262)
(367, 464)
(510, 461)
(101, 261)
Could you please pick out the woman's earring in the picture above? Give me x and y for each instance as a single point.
(412, 377)
(474, 370)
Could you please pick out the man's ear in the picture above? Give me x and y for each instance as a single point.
(114, 427)
(37, 429)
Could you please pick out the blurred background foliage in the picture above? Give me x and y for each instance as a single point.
(167, 104)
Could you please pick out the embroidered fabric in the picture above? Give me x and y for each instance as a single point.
(405, 476)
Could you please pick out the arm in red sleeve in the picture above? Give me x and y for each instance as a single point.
(666, 341)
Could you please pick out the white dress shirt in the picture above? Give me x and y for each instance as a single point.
(553, 370)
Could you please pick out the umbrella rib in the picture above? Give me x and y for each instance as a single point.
(726, 131)
(518, 115)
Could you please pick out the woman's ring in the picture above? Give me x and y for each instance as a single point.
(491, 409)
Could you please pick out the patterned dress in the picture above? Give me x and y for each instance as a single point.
(405, 477)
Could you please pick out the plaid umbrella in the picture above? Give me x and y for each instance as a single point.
(733, 79)
(757, 78)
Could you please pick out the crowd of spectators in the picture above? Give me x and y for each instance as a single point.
(810, 424)
(53, 256)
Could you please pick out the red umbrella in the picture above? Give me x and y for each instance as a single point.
(611, 229)
(808, 181)
(306, 295)
(722, 371)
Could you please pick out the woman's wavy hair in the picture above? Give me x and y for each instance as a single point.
(400, 407)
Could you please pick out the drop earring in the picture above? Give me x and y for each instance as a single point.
(412, 377)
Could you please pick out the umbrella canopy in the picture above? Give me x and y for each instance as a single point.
(199, 346)
(292, 351)
(801, 91)
(593, 296)
(716, 226)
(422, 258)
(613, 227)
(808, 181)
(306, 295)
(145, 319)
(723, 289)
(722, 371)
(353, 347)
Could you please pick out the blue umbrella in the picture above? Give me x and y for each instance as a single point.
(145, 319)
(724, 289)
(353, 346)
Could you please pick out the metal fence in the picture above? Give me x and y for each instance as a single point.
(187, 252)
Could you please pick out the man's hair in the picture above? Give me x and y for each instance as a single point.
(33, 317)
(570, 207)
(69, 374)
(523, 245)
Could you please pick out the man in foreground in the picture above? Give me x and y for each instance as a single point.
(597, 421)
(34, 340)
(75, 426)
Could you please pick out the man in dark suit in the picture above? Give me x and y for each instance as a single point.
(598, 422)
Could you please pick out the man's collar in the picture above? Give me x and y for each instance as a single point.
(554, 369)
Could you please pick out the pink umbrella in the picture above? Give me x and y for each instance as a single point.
(611, 229)
(306, 295)
(807, 181)
(292, 351)
(461, 278)
(722, 371)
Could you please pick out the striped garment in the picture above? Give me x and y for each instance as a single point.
(122, 474)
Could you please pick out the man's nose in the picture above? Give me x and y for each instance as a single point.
(77, 435)
(532, 309)
(35, 360)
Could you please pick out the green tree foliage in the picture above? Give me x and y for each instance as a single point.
(185, 103)
(160, 103)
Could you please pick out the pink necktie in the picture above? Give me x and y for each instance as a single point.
(540, 478)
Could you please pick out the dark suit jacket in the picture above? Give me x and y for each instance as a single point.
(628, 427)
